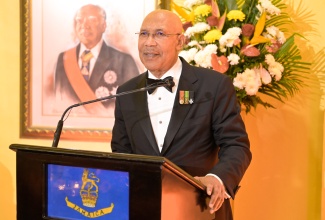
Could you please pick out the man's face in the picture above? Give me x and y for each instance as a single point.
(158, 54)
(89, 26)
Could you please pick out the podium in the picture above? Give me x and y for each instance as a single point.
(56, 183)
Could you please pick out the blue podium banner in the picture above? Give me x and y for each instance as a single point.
(86, 193)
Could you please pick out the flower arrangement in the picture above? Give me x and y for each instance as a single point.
(244, 39)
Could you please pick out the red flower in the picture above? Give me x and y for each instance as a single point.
(248, 30)
(208, 2)
(187, 25)
(212, 20)
(219, 64)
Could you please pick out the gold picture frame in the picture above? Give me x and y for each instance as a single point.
(46, 27)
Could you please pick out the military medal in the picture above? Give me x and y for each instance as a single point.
(186, 97)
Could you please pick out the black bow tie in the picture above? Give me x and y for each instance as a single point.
(168, 81)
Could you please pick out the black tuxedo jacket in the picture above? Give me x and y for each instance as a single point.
(207, 136)
(109, 59)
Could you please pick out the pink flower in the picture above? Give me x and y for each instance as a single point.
(237, 41)
(264, 74)
(274, 47)
(250, 51)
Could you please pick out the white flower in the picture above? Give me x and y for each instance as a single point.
(230, 37)
(278, 66)
(188, 55)
(251, 87)
(211, 48)
(234, 31)
(197, 28)
(272, 30)
(254, 77)
(275, 71)
(203, 57)
(281, 38)
(269, 59)
(275, 68)
(110, 77)
(249, 74)
(233, 59)
(274, 33)
(250, 80)
(194, 43)
(260, 9)
(269, 7)
(101, 91)
(191, 3)
(239, 81)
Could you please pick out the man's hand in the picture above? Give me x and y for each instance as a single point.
(215, 189)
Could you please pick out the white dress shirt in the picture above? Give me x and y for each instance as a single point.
(161, 102)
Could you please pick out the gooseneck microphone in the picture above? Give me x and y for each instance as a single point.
(167, 82)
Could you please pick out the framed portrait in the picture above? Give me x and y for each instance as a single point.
(48, 33)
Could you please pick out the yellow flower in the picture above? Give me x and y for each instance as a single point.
(212, 36)
(202, 10)
(236, 15)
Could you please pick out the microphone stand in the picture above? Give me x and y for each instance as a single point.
(167, 82)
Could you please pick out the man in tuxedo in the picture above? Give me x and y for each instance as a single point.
(197, 125)
(92, 69)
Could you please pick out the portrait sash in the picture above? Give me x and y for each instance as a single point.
(78, 83)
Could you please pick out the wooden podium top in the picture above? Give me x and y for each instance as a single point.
(113, 156)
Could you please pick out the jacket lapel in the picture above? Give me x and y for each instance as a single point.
(186, 82)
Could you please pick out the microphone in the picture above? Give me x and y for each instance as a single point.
(168, 81)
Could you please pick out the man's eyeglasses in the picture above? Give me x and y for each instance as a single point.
(159, 35)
